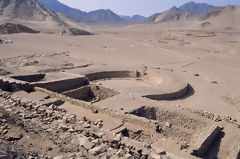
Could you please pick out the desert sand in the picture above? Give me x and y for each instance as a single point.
(169, 90)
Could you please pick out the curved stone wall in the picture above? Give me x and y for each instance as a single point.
(112, 74)
(62, 85)
(170, 95)
(165, 86)
(30, 78)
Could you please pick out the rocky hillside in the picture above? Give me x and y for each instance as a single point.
(173, 14)
(134, 19)
(101, 16)
(231, 11)
(197, 8)
(222, 17)
(57, 6)
(25, 9)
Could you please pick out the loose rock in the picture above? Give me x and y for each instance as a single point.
(98, 150)
(14, 136)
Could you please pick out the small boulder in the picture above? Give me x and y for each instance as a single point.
(95, 111)
(117, 138)
(214, 82)
(167, 124)
(78, 128)
(120, 153)
(84, 142)
(86, 125)
(97, 133)
(8, 41)
(84, 119)
(87, 144)
(70, 118)
(64, 127)
(159, 129)
(59, 157)
(14, 136)
(98, 150)
(184, 146)
(160, 151)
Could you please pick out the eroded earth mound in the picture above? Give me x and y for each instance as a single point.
(11, 28)
(75, 31)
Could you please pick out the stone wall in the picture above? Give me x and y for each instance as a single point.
(4, 85)
(169, 96)
(205, 139)
(124, 117)
(9, 84)
(62, 85)
(80, 93)
(112, 74)
(30, 78)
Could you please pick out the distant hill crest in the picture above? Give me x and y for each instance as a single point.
(197, 8)
(134, 18)
(101, 16)
(173, 14)
(27, 10)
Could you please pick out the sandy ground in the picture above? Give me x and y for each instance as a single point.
(214, 58)
(208, 60)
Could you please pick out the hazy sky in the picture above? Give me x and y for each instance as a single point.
(143, 7)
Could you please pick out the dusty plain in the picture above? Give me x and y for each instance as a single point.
(169, 57)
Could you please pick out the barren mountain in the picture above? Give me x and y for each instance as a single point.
(57, 6)
(100, 16)
(231, 11)
(197, 8)
(103, 16)
(134, 19)
(27, 10)
(227, 17)
(173, 14)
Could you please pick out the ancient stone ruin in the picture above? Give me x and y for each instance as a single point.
(97, 114)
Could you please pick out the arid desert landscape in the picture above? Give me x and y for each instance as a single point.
(165, 88)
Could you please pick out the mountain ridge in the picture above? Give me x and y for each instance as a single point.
(101, 16)
(217, 11)
(197, 8)
(30, 10)
(173, 14)
(133, 19)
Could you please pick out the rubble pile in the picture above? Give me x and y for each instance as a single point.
(67, 136)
